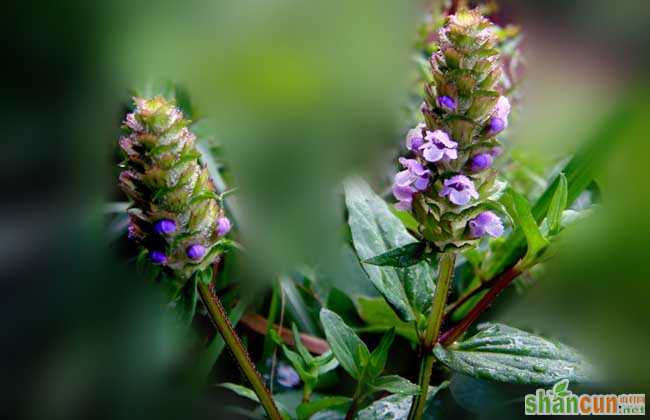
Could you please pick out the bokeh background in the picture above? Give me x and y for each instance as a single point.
(301, 94)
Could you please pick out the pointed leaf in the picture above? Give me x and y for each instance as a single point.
(380, 317)
(304, 353)
(505, 354)
(380, 354)
(345, 344)
(395, 385)
(519, 210)
(557, 206)
(376, 230)
(404, 256)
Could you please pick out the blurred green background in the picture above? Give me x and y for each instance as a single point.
(301, 94)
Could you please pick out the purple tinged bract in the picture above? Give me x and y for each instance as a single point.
(486, 223)
(438, 146)
(195, 252)
(459, 189)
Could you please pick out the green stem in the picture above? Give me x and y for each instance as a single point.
(221, 321)
(445, 274)
(352, 411)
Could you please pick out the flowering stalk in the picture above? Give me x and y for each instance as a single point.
(448, 182)
(176, 214)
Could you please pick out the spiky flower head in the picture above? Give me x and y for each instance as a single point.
(175, 214)
(449, 179)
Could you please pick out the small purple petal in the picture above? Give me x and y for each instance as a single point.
(502, 109)
(195, 252)
(447, 102)
(480, 162)
(164, 227)
(459, 189)
(421, 183)
(404, 205)
(486, 223)
(432, 154)
(157, 257)
(441, 138)
(223, 226)
(413, 166)
(496, 151)
(414, 138)
(403, 193)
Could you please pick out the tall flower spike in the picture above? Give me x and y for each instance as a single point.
(175, 213)
(454, 150)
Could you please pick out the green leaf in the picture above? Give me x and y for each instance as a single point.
(304, 353)
(348, 348)
(185, 305)
(297, 307)
(397, 406)
(306, 410)
(326, 362)
(505, 354)
(557, 206)
(379, 355)
(395, 384)
(380, 317)
(519, 210)
(298, 364)
(376, 230)
(242, 391)
(404, 256)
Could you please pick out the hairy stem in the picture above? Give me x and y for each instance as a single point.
(499, 284)
(352, 411)
(445, 275)
(222, 323)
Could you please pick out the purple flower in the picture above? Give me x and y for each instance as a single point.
(223, 226)
(413, 179)
(157, 257)
(438, 146)
(480, 162)
(414, 138)
(287, 376)
(486, 223)
(447, 102)
(459, 189)
(496, 151)
(499, 119)
(164, 226)
(195, 252)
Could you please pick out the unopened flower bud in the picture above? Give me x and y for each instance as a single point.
(164, 227)
(195, 252)
(157, 257)
(480, 162)
(223, 226)
(447, 102)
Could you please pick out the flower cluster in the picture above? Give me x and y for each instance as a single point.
(448, 181)
(175, 213)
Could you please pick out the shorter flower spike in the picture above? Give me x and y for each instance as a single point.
(459, 189)
(164, 227)
(486, 223)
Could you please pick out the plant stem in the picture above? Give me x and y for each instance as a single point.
(500, 283)
(222, 323)
(445, 274)
(352, 411)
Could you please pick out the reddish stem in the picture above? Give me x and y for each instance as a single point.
(500, 283)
